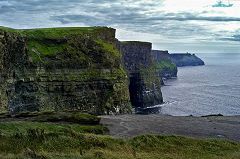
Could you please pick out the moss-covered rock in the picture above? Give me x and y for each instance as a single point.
(166, 68)
(62, 69)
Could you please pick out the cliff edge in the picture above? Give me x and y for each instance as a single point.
(62, 69)
(186, 60)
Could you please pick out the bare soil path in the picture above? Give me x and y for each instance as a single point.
(201, 127)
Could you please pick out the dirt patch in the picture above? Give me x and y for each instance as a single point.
(201, 127)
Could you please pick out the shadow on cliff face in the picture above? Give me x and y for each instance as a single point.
(135, 88)
(145, 84)
(143, 99)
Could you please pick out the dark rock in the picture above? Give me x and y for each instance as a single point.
(186, 60)
(145, 84)
(212, 115)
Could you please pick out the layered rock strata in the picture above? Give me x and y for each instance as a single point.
(62, 69)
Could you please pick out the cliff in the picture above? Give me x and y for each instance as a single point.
(186, 60)
(145, 84)
(166, 68)
(62, 69)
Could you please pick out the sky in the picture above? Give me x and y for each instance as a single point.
(175, 25)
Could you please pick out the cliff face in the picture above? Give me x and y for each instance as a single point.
(62, 69)
(145, 85)
(186, 60)
(166, 68)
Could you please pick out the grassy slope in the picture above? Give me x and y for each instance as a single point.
(71, 41)
(30, 136)
(52, 33)
(73, 144)
(76, 46)
(13, 127)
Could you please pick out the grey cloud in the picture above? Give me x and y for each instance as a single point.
(6, 9)
(235, 38)
(138, 18)
(86, 19)
(195, 16)
(139, 22)
(131, 15)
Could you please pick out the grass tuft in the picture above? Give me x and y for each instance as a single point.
(103, 147)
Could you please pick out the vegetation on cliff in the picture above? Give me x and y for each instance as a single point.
(166, 65)
(166, 68)
(62, 69)
(81, 46)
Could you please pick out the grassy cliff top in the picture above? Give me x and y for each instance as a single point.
(56, 32)
(82, 47)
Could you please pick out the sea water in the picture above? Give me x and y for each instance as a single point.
(204, 90)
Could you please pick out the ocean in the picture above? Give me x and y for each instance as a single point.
(205, 90)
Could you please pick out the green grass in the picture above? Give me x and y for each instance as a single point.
(30, 136)
(39, 144)
(166, 64)
(70, 117)
(79, 46)
(54, 33)
(50, 122)
(38, 50)
(109, 48)
(12, 127)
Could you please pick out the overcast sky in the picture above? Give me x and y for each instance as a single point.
(174, 25)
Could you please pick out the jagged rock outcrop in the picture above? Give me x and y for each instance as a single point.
(186, 60)
(145, 85)
(62, 69)
(166, 68)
